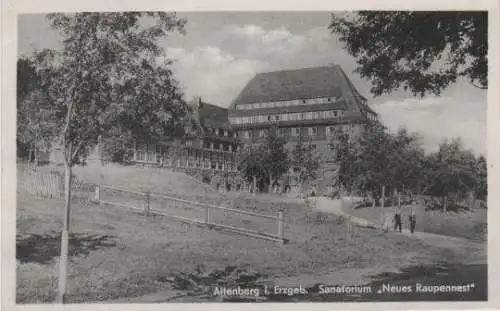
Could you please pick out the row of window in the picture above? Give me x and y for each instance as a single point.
(294, 132)
(218, 132)
(288, 103)
(219, 146)
(311, 115)
(371, 116)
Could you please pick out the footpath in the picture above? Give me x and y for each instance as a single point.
(341, 207)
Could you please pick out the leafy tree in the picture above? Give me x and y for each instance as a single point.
(33, 116)
(265, 161)
(481, 185)
(106, 78)
(378, 158)
(250, 162)
(305, 161)
(275, 157)
(450, 170)
(35, 129)
(401, 48)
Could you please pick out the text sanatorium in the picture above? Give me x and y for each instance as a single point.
(322, 289)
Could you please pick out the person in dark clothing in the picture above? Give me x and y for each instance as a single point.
(397, 221)
(413, 222)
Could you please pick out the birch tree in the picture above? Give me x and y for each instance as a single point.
(108, 74)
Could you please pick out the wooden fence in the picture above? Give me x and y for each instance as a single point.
(206, 217)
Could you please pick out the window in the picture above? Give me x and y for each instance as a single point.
(262, 133)
(304, 101)
(313, 131)
(189, 142)
(329, 99)
(269, 118)
(150, 156)
(276, 117)
(281, 131)
(140, 155)
(296, 131)
(313, 146)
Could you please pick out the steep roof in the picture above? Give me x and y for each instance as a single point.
(326, 81)
(213, 116)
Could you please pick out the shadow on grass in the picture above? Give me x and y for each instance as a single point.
(43, 249)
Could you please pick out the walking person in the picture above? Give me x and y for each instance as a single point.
(397, 220)
(413, 221)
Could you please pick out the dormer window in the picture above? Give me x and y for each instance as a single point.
(329, 99)
(304, 101)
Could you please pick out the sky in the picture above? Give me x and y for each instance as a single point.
(221, 52)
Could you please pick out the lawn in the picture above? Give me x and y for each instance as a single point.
(117, 252)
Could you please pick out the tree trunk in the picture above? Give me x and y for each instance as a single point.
(63, 262)
(37, 157)
(473, 199)
(445, 203)
(254, 184)
(270, 188)
(30, 155)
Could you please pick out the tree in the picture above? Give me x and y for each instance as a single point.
(275, 157)
(396, 48)
(305, 161)
(106, 79)
(481, 185)
(450, 170)
(378, 158)
(34, 128)
(264, 161)
(250, 162)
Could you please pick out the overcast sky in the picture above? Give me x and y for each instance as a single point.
(221, 52)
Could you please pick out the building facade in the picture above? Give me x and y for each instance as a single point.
(208, 143)
(307, 104)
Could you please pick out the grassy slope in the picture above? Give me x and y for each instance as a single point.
(127, 254)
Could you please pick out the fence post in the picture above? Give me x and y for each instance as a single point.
(399, 199)
(207, 215)
(281, 226)
(383, 199)
(98, 193)
(147, 208)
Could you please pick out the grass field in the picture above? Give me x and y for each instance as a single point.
(117, 253)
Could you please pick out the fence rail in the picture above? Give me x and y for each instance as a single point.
(207, 218)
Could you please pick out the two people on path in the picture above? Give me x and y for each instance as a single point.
(398, 224)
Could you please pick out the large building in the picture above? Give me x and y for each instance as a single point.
(307, 104)
(209, 142)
